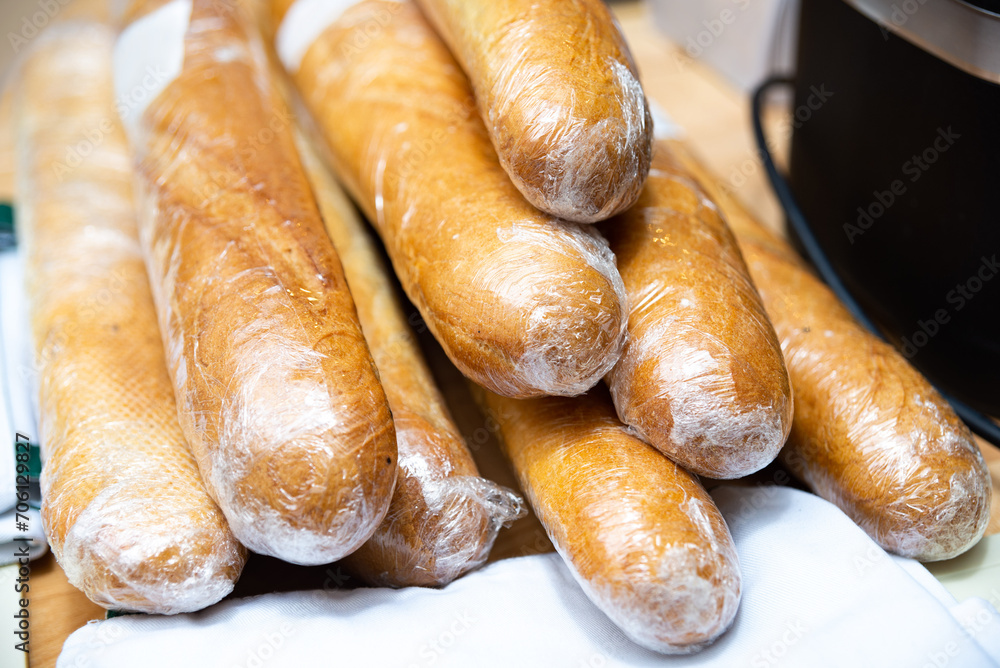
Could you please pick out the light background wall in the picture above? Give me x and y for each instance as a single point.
(12, 15)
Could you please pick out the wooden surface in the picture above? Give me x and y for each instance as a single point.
(716, 119)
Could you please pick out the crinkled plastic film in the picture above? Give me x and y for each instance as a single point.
(124, 506)
(869, 433)
(277, 391)
(701, 376)
(523, 303)
(443, 518)
(640, 534)
(560, 96)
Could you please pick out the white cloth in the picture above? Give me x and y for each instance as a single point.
(16, 371)
(17, 413)
(817, 592)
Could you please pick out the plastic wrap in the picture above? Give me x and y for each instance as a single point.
(701, 376)
(869, 433)
(560, 95)
(640, 534)
(123, 504)
(443, 517)
(523, 303)
(277, 391)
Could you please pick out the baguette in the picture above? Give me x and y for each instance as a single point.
(639, 533)
(275, 10)
(523, 304)
(123, 504)
(277, 391)
(870, 433)
(559, 93)
(701, 376)
(443, 517)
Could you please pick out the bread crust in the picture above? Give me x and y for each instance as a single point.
(443, 517)
(123, 503)
(560, 96)
(701, 376)
(277, 391)
(640, 534)
(870, 433)
(522, 303)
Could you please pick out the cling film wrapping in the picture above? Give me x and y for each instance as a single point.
(870, 433)
(560, 95)
(123, 503)
(701, 376)
(444, 517)
(276, 389)
(641, 536)
(522, 303)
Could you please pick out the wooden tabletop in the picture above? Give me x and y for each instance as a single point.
(716, 119)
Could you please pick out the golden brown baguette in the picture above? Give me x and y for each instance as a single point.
(701, 376)
(125, 12)
(443, 517)
(124, 506)
(869, 433)
(277, 391)
(560, 95)
(276, 10)
(524, 304)
(640, 534)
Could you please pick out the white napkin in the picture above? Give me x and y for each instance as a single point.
(817, 592)
(16, 405)
(17, 532)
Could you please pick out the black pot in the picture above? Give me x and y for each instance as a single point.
(897, 169)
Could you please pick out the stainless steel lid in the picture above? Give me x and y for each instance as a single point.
(963, 33)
